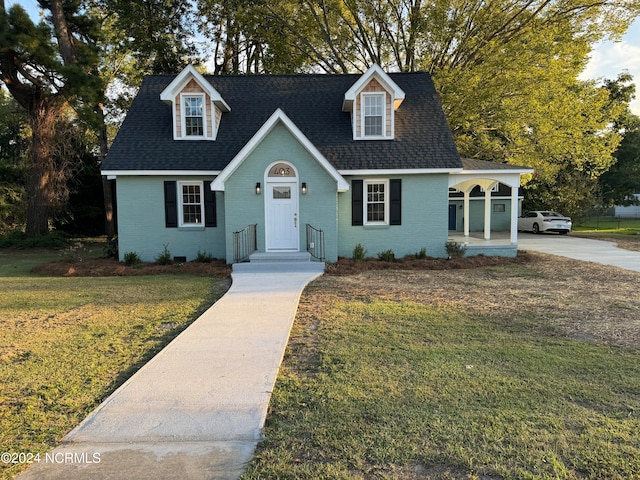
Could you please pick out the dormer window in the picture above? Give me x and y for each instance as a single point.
(373, 114)
(194, 118)
(196, 106)
(373, 101)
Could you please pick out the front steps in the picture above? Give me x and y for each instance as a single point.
(273, 262)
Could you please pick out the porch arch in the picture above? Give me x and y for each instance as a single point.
(487, 183)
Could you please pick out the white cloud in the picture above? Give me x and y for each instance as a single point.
(608, 59)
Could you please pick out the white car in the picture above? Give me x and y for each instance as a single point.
(544, 221)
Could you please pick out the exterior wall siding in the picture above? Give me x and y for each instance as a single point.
(500, 221)
(141, 225)
(318, 207)
(424, 220)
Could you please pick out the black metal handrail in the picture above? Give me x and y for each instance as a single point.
(315, 242)
(244, 243)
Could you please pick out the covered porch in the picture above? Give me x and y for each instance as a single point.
(488, 176)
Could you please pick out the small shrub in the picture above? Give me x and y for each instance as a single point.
(164, 258)
(359, 252)
(455, 249)
(131, 258)
(387, 256)
(422, 254)
(204, 257)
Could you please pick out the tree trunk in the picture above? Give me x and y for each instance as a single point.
(44, 188)
(109, 220)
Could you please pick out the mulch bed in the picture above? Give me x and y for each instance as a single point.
(103, 267)
(348, 266)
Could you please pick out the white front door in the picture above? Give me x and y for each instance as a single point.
(282, 216)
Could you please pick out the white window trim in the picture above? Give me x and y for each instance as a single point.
(183, 116)
(384, 116)
(181, 221)
(365, 202)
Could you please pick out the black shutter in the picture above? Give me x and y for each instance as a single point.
(210, 219)
(357, 198)
(170, 204)
(395, 206)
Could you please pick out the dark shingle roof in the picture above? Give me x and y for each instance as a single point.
(313, 102)
(475, 164)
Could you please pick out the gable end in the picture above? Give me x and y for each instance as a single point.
(372, 102)
(196, 105)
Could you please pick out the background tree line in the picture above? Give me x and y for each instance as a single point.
(507, 72)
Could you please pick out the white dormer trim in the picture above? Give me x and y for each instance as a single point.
(278, 117)
(397, 94)
(175, 87)
(383, 127)
(173, 95)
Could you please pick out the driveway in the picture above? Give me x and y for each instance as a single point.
(577, 248)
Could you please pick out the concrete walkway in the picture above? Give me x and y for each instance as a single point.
(578, 248)
(196, 410)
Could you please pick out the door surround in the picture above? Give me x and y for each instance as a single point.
(283, 175)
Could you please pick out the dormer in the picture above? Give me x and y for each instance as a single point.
(196, 106)
(372, 102)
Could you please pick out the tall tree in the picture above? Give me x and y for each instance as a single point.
(507, 71)
(143, 37)
(621, 183)
(138, 37)
(69, 58)
(13, 144)
(243, 42)
(47, 67)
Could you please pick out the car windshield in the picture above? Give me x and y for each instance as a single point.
(550, 214)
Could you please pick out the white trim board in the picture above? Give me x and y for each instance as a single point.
(159, 173)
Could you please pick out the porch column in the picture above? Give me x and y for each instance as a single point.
(514, 215)
(487, 213)
(466, 213)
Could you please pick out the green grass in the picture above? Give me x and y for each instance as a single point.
(67, 343)
(377, 389)
(623, 226)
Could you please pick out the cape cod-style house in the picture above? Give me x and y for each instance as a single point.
(229, 165)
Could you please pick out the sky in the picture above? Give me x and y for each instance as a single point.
(608, 59)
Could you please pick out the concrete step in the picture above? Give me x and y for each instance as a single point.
(278, 267)
(280, 257)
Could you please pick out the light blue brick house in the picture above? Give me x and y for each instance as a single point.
(232, 165)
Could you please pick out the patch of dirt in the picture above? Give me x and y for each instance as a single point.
(553, 295)
(103, 267)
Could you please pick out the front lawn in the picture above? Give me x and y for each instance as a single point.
(623, 225)
(520, 371)
(67, 343)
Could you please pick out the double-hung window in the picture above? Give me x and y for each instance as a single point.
(377, 202)
(191, 203)
(373, 111)
(193, 106)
